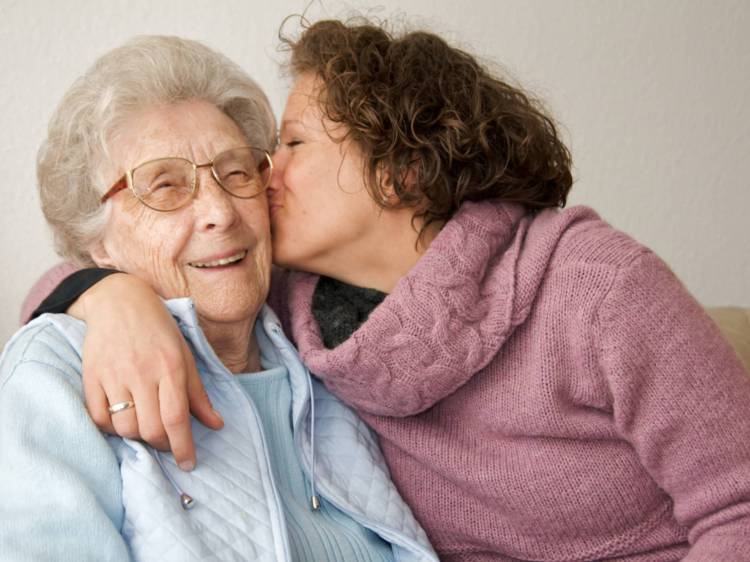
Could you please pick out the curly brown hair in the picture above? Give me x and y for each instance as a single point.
(434, 126)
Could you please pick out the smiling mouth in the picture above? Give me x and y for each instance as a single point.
(218, 263)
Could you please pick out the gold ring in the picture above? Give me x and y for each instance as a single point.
(120, 406)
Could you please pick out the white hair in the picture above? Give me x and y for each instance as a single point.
(146, 71)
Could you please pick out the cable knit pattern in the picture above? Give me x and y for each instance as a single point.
(544, 388)
(436, 366)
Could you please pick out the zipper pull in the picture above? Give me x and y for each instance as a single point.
(186, 501)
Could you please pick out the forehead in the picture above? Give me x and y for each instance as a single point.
(303, 112)
(196, 130)
(302, 103)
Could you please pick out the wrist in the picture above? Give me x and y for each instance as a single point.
(107, 291)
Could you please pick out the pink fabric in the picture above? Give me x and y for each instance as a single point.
(43, 287)
(544, 388)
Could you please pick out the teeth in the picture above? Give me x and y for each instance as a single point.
(224, 261)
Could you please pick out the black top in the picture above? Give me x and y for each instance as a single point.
(70, 288)
(340, 309)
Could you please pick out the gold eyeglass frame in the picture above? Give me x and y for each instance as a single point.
(126, 181)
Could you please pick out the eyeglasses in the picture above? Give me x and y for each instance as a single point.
(166, 184)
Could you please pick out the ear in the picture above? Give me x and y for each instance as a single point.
(408, 180)
(101, 257)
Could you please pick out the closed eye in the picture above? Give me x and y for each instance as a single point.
(237, 174)
(160, 184)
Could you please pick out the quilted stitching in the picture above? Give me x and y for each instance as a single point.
(237, 516)
(358, 469)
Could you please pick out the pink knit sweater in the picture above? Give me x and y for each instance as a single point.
(544, 388)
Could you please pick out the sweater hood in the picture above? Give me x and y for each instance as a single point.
(451, 314)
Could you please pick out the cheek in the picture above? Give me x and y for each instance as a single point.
(255, 218)
(150, 246)
(254, 215)
(298, 186)
(308, 180)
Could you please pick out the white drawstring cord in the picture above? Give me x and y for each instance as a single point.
(314, 500)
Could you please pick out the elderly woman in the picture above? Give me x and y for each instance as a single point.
(542, 385)
(157, 164)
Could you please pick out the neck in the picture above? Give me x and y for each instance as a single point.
(234, 343)
(382, 259)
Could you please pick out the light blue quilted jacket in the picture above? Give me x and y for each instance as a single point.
(70, 493)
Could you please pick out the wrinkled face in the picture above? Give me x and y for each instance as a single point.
(216, 249)
(321, 211)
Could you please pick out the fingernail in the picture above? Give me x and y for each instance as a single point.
(187, 466)
(218, 415)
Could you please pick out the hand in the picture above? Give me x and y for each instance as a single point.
(134, 351)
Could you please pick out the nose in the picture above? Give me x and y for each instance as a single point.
(214, 208)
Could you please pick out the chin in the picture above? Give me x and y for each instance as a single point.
(289, 263)
(233, 308)
(219, 316)
(282, 257)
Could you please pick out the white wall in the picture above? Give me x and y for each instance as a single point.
(654, 98)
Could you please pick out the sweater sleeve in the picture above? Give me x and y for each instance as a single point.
(681, 397)
(59, 479)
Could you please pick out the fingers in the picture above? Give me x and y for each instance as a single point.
(150, 426)
(151, 365)
(125, 423)
(175, 415)
(97, 404)
(161, 416)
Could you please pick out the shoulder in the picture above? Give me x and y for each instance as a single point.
(50, 344)
(41, 393)
(584, 238)
(588, 260)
